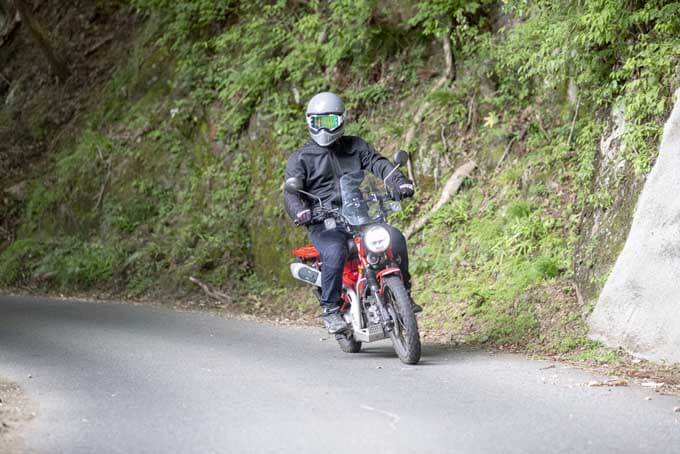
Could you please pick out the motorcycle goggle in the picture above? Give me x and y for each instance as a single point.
(331, 122)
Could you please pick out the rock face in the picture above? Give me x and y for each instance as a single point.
(604, 227)
(639, 307)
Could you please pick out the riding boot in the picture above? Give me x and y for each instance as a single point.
(417, 308)
(333, 320)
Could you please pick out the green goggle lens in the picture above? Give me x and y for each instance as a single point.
(327, 121)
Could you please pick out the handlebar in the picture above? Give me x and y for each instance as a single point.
(321, 214)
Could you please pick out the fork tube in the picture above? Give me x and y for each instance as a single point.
(375, 289)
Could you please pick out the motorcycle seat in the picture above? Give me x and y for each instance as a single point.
(306, 252)
(309, 252)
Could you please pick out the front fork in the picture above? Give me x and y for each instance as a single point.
(372, 281)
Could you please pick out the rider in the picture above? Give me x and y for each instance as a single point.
(319, 164)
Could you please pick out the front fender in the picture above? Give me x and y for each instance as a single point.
(391, 271)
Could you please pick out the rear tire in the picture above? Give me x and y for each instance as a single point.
(405, 336)
(347, 343)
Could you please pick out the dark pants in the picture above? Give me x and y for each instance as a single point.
(332, 245)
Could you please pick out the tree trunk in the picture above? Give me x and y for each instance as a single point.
(57, 63)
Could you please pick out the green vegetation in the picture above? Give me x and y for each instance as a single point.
(177, 170)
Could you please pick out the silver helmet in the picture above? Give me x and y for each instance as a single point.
(326, 118)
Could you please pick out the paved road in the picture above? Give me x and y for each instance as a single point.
(116, 378)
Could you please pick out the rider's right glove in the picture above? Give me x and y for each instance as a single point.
(303, 217)
(406, 189)
(401, 187)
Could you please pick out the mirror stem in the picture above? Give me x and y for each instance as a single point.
(311, 196)
(390, 174)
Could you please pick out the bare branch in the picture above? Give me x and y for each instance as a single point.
(573, 122)
(471, 113)
(450, 189)
(508, 147)
(444, 141)
(505, 152)
(107, 39)
(222, 298)
(100, 195)
(448, 57)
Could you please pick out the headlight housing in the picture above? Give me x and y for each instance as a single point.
(377, 239)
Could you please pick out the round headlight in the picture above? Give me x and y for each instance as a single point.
(377, 239)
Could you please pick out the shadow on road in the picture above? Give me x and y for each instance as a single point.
(432, 355)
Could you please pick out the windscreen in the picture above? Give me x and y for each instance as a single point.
(358, 207)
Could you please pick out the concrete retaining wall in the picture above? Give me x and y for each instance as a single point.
(639, 307)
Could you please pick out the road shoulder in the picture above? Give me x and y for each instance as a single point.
(16, 410)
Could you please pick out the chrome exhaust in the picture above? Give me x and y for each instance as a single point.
(306, 274)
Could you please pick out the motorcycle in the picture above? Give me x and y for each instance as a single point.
(375, 303)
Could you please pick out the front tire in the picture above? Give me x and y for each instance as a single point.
(405, 336)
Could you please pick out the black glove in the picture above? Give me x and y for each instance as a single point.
(303, 217)
(402, 187)
(406, 188)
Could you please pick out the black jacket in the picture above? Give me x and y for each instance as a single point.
(320, 169)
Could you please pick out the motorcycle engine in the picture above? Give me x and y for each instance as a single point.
(373, 314)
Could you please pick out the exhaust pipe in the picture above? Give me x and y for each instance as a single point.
(306, 274)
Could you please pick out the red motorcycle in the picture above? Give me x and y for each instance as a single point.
(375, 303)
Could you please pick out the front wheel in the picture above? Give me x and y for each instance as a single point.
(405, 336)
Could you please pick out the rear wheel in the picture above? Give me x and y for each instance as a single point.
(347, 343)
(405, 336)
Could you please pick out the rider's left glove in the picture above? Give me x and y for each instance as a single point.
(303, 217)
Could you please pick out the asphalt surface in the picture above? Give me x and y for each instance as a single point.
(117, 378)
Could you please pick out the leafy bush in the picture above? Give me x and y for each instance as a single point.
(609, 49)
(75, 264)
(18, 261)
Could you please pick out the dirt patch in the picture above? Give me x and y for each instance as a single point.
(662, 378)
(16, 410)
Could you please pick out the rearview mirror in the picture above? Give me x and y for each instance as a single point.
(400, 158)
(293, 185)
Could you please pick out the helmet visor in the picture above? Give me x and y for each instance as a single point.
(331, 122)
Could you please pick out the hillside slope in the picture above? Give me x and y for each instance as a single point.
(173, 169)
